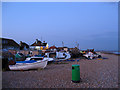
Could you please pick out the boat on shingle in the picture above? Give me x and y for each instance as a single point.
(30, 63)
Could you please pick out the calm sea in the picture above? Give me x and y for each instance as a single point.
(116, 52)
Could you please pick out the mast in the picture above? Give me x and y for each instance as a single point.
(41, 38)
(77, 44)
(62, 43)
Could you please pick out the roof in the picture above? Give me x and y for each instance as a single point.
(60, 47)
(23, 44)
(52, 47)
(38, 43)
(43, 44)
(65, 47)
(10, 42)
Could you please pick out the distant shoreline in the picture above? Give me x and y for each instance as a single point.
(110, 52)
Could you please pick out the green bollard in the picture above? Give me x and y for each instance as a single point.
(75, 73)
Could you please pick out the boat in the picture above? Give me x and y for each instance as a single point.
(63, 55)
(43, 57)
(57, 56)
(36, 58)
(30, 63)
(19, 55)
(91, 55)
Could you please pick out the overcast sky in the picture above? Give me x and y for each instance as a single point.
(92, 25)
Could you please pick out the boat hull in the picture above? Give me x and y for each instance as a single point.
(27, 66)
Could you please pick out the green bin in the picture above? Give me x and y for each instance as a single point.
(75, 73)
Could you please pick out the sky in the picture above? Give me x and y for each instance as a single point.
(91, 24)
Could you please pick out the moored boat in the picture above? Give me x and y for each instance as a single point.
(58, 56)
(91, 55)
(33, 63)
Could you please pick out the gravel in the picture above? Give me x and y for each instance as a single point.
(94, 74)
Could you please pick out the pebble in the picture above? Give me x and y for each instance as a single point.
(94, 74)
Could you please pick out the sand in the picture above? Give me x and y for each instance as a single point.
(94, 74)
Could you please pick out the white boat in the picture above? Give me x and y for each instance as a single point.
(41, 58)
(90, 55)
(33, 63)
(50, 56)
(57, 56)
(36, 58)
(63, 55)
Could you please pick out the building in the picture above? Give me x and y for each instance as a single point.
(53, 48)
(38, 45)
(60, 48)
(23, 46)
(66, 49)
(9, 44)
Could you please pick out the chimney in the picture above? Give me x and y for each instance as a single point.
(20, 43)
(36, 40)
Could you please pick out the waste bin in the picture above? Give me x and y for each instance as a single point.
(75, 73)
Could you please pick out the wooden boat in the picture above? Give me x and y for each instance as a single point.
(33, 63)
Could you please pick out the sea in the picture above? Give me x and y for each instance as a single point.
(112, 52)
(116, 53)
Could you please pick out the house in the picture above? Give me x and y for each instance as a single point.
(38, 45)
(9, 44)
(23, 46)
(60, 48)
(53, 48)
(66, 49)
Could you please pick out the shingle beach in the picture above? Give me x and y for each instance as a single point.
(94, 74)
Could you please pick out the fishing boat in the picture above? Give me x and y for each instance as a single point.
(91, 55)
(63, 55)
(30, 63)
(45, 57)
(57, 56)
